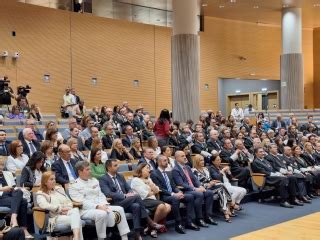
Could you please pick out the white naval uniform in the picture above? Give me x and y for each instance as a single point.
(90, 195)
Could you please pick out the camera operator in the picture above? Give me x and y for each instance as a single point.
(22, 100)
(6, 92)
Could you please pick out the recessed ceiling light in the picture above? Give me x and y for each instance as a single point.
(221, 6)
(285, 5)
(233, 1)
(316, 5)
(204, 5)
(255, 7)
(252, 74)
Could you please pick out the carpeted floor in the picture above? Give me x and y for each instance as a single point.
(254, 216)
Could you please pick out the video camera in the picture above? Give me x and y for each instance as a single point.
(23, 91)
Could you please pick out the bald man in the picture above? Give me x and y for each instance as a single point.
(64, 167)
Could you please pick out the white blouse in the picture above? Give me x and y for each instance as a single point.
(142, 188)
(104, 156)
(18, 163)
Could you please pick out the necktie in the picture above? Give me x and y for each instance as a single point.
(32, 148)
(74, 175)
(3, 149)
(166, 179)
(188, 176)
(117, 185)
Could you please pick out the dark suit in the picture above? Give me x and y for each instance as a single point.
(26, 149)
(263, 166)
(242, 173)
(61, 172)
(180, 179)
(127, 141)
(275, 126)
(152, 163)
(278, 164)
(36, 133)
(316, 156)
(214, 145)
(131, 204)
(165, 195)
(107, 141)
(4, 149)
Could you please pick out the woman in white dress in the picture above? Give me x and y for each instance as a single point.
(54, 199)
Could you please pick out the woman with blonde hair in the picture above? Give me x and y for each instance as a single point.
(118, 151)
(136, 148)
(75, 153)
(54, 199)
(203, 175)
(147, 190)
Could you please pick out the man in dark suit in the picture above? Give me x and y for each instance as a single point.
(30, 145)
(148, 157)
(129, 136)
(280, 166)
(114, 186)
(183, 177)
(214, 143)
(130, 122)
(278, 123)
(316, 153)
(108, 139)
(246, 124)
(200, 147)
(4, 144)
(30, 123)
(64, 167)
(169, 193)
(248, 141)
(260, 165)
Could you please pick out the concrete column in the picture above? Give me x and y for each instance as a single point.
(292, 87)
(185, 60)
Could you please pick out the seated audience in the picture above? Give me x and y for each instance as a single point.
(30, 123)
(135, 149)
(114, 186)
(52, 124)
(17, 159)
(97, 168)
(49, 156)
(4, 143)
(72, 124)
(166, 151)
(29, 142)
(109, 136)
(97, 143)
(35, 112)
(183, 177)
(64, 167)
(148, 131)
(147, 190)
(149, 158)
(15, 113)
(13, 199)
(153, 143)
(94, 131)
(120, 152)
(31, 174)
(75, 153)
(261, 165)
(214, 185)
(95, 206)
(54, 199)
(127, 140)
(52, 136)
(172, 195)
(85, 134)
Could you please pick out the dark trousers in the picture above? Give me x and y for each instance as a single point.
(242, 174)
(208, 203)
(14, 234)
(198, 200)
(292, 186)
(135, 206)
(17, 204)
(281, 183)
(188, 200)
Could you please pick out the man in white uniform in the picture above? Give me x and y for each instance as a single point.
(95, 207)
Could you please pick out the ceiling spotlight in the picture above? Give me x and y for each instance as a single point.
(204, 5)
(316, 5)
(221, 6)
(285, 5)
(255, 7)
(233, 1)
(252, 74)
